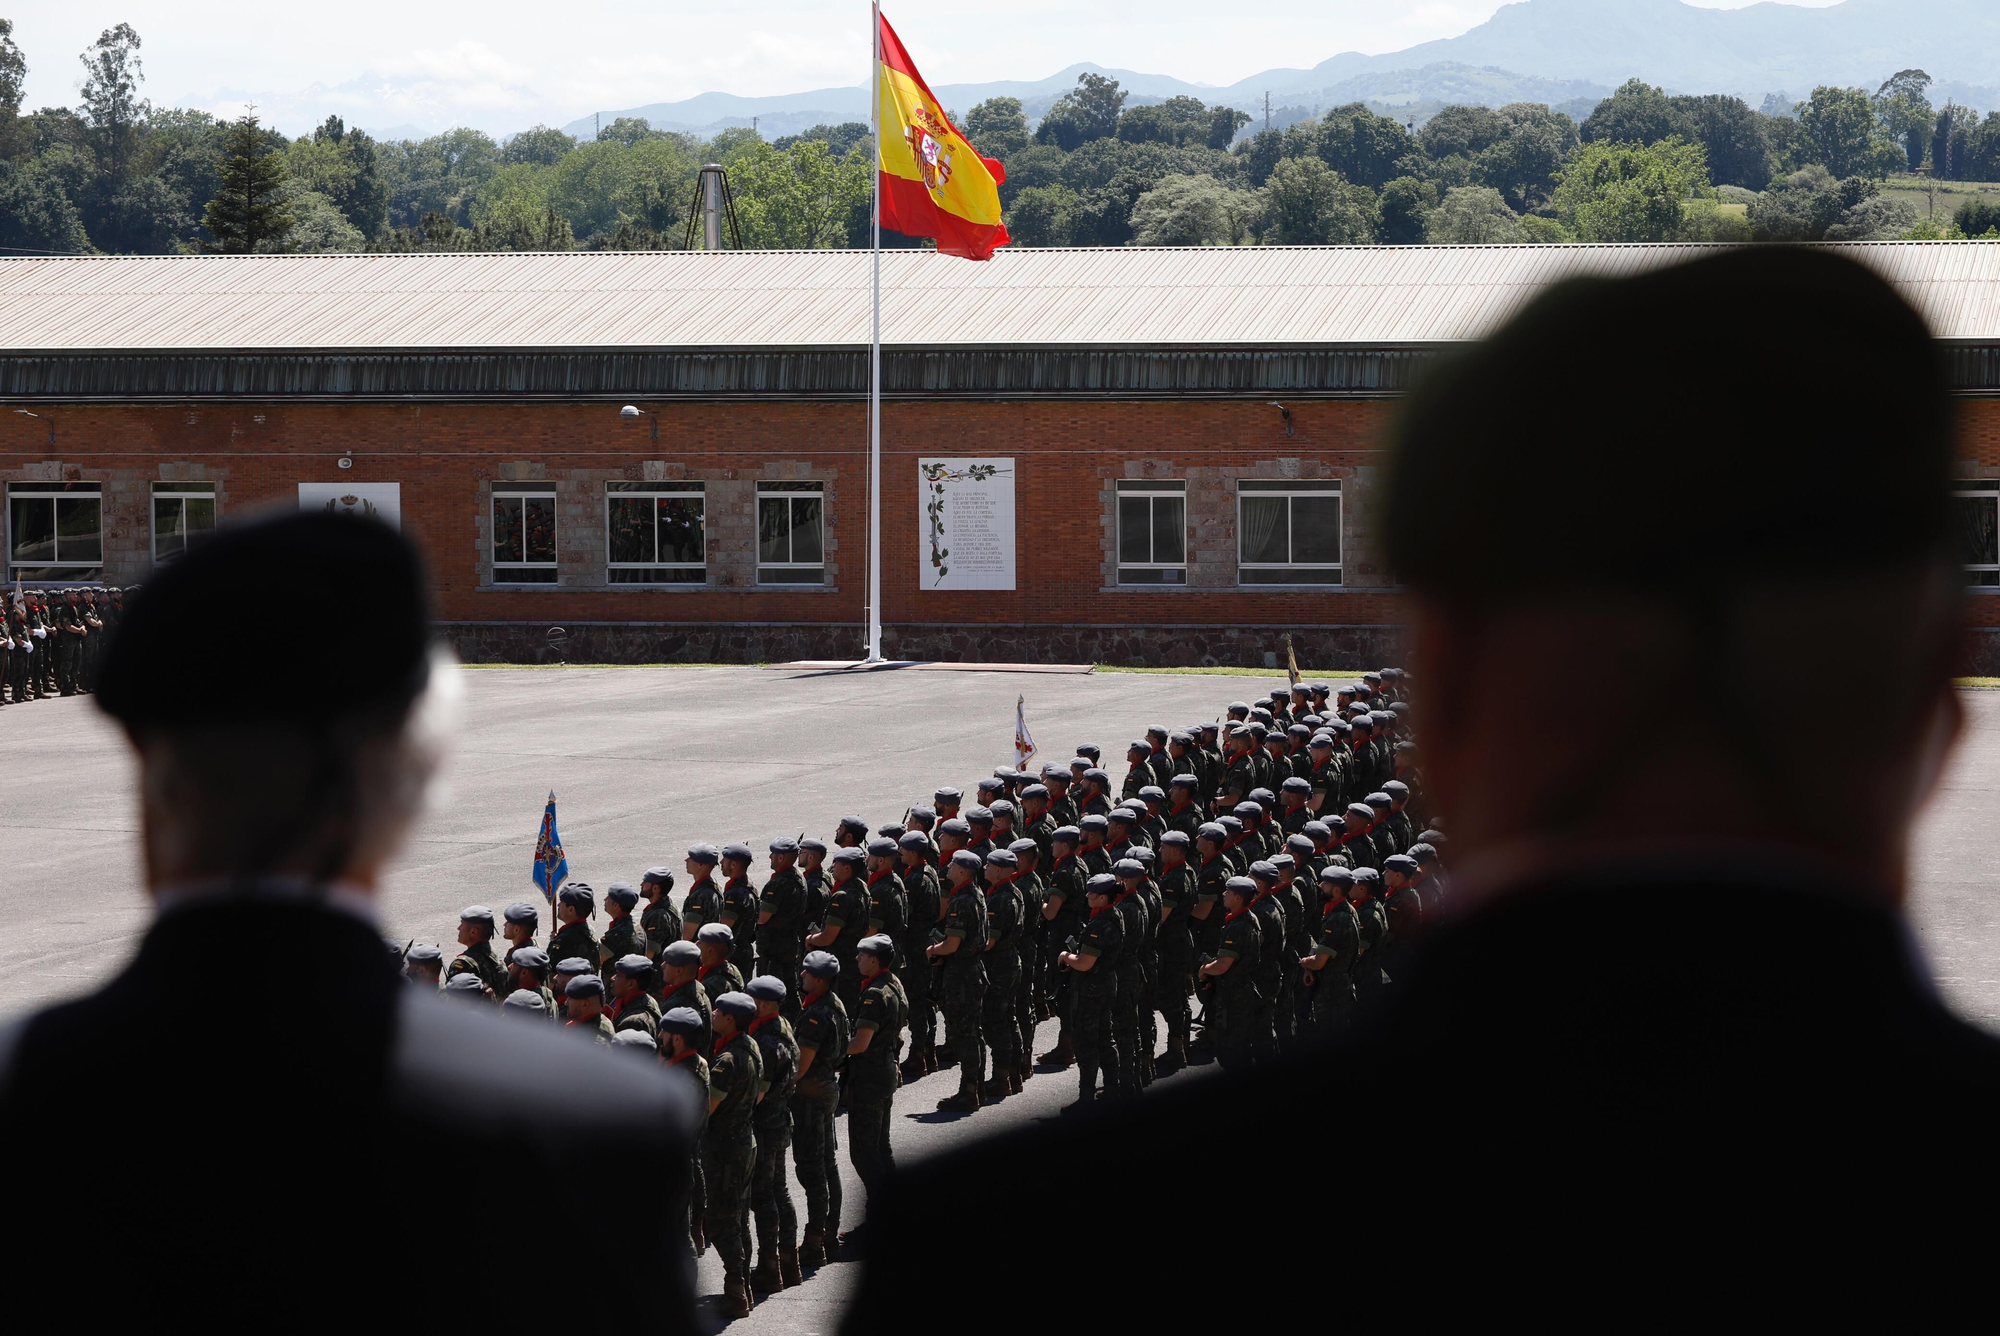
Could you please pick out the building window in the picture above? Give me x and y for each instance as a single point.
(791, 533)
(524, 533)
(183, 515)
(55, 531)
(1287, 533)
(655, 532)
(1976, 530)
(1152, 531)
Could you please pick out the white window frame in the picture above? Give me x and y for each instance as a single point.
(685, 490)
(55, 568)
(1981, 575)
(523, 491)
(182, 492)
(810, 574)
(1317, 574)
(1150, 490)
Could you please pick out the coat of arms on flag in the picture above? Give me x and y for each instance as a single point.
(551, 863)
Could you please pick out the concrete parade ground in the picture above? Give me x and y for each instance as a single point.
(646, 761)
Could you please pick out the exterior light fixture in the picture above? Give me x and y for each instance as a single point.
(632, 413)
(1287, 413)
(51, 421)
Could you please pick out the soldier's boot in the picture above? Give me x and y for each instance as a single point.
(1175, 1057)
(1086, 1084)
(997, 1089)
(913, 1066)
(967, 1098)
(697, 1235)
(1042, 1008)
(1063, 1054)
(788, 1266)
(1023, 1070)
(736, 1298)
(812, 1249)
(767, 1275)
(943, 1058)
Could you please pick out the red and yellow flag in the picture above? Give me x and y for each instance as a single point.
(933, 183)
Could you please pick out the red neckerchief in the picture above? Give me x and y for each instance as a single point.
(618, 1007)
(1212, 857)
(1123, 896)
(1179, 807)
(1099, 910)
(579, 1021)
(1232, 917)
(675, 1062)
(759, 1021)
(735, 881)
(1321, 766)
(1066, 858)
(707, 879)
(702, 973)
(874, 877)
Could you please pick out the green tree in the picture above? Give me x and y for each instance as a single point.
(319, 226)
(1808, 204)
(1365, 148)
(1474, 216)
(1035, 166)
(1223, 123)
(996, 127)
(36, 213)
(1040, 216)
(441, 174)
(13, 71)
(1088, 111)
(1461, 132)
(543, 146)
(1903, 105)
(1621, 191)
(839, 139)
(1732, 136)
(627, 130)
(342, 165)
(1307, 203)
(1844, 136)
(1406, 205)
(1637, 113)
(1192, 211)
(248, 213)
(798, 198)
(1524, 163)
(110, 93)
(1978, 218)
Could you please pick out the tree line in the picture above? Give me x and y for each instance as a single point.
(117, 175)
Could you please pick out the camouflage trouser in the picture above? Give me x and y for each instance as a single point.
(868, 1141)
(1170, 993)
(1090, 1030)
(961, 1006)
(816, 1151)
(1332, 1004)
(1265, 1014)
(69, 657)
(1234, 1016)
(693, 1206)
(1285, 1015)
(771, 1191)
(1025, 1012)
(728, 1166)
(1149, 1021)
(786, 968)
(916, 978)
(999, 1022)
(1125, 1004)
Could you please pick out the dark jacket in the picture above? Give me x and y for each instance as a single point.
(321, 1138)
(1581, 1082)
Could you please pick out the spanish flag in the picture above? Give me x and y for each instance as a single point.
(932, 183)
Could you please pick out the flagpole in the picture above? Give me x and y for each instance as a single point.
(875, 345)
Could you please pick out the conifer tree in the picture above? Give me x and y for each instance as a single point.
(248, 212)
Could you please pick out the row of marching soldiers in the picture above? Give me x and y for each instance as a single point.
(1274, 865)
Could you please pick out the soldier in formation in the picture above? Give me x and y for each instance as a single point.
(1256, 885)
(51, 640)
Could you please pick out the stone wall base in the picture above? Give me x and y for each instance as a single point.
(1319, 648)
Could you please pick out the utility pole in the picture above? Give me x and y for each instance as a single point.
(597, 119)
(753, 126)
(1267, 109)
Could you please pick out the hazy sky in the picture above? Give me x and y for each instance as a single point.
(503, 64)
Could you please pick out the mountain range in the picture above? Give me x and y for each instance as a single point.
(1554, 51)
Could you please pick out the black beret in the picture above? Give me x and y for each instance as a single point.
(663, 876)
(423, 953)
(1379, 799)
(1140, 745)
(681, 1021)
(922, 817)
(1094, 821)
(1031, 791)
(529, 958)
(619, 893)
(1210, 830)
(848, 855)
(1025, 846)
(977, 813)
(1243, 886)
(821, 964)
(965, 858)
(634, 966)
(1297, 784)
(1335, 872)
(1066, 835)
(1005, 808)
(1096, 776)
(882, 847)
(947, 796)
(766, 988)
(1367, 874)
(914, 839)
(1185, 782)
(740, 1005)
(579, 895)
(1102, 883)
(1230, 824)
(1316, 830)
(467, 982)
(1423, 853)
(584, 985)
(1247, 808)
(1402, 864)
(1177, 839)
(957, 825)
(1153, 793)
(522, 912)
(716, 934)
(1002, 858)
(285, 581)
(525, 999)
(740, 852)
(1124, 814)
(889, 830)
(1300, 844)
(1264, 870)
(812, 844)
(1396, 788)
(1091, 750)
(854, 823)
(784, 844)
(1128, 867)
(704, 853)
(575, 965)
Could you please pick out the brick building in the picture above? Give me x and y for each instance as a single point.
(1188, 439)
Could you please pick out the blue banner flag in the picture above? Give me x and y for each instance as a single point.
(551, 864)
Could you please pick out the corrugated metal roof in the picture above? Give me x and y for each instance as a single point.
(1135, 297)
